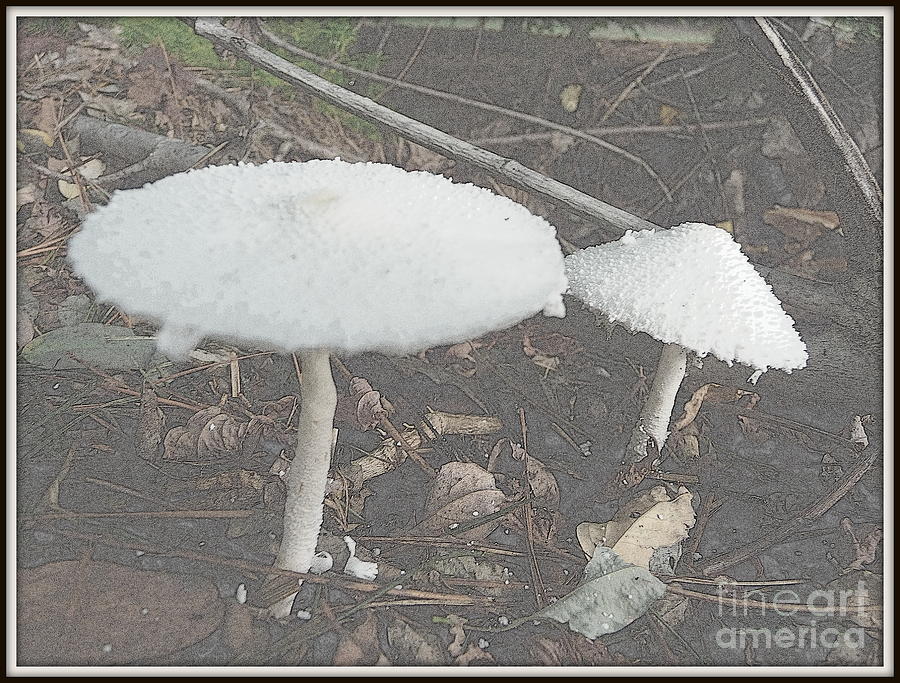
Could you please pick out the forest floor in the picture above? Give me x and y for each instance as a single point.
(142, 539)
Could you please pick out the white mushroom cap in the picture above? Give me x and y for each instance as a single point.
(690, 285)
(321, 254)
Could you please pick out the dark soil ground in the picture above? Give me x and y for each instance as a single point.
(757, 459)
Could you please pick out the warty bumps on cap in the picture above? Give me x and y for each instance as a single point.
(320, 254)
(690, 285)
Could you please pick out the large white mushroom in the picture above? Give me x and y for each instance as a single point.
(317, 257)
(692, 288)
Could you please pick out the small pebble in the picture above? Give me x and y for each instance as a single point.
(474, 513)
(483, 644)
(504, 621)
(107, 647)
(304, 615)
(241, 594)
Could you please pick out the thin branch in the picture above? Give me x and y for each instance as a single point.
(459, 99)
(837, 134)
(716, 565)
(681, 129)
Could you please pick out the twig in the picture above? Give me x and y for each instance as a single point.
(635, 83)
(854, 161)
(537, 583)
(409, 63)
(706, 143)
(171, 514)
(420, 133)
(715, 582)
(529, 118)
(760, 604)
(162, 46)
(716, 565)
(347, 583)
(76, 176)
(628, 130)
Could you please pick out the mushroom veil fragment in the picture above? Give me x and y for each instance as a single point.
(692, 288)
(318, 257)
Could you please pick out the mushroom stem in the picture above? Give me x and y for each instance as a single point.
(308, 474)
(657, 411)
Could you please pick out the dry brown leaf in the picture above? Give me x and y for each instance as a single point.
(460, 494)
(362, 406)
(46, 119)
(465, 656)
(592, 534)
(866, 550)
(668, 115)
(801, 225)
(280, 409)
(208, 435)
(663, 525)
(571, 649)
(76, 613)
(243, 631)
(413, 647)
(232, 489)
(359, 647)
(463, 350)
(712, 393)
(856, 431)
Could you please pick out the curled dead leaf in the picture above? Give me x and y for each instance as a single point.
(209, 434)
(362, 406)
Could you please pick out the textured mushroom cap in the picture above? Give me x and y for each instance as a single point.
(320, 254)
(690, 285)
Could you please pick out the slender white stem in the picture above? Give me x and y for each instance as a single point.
(657, 410)
(308, 474)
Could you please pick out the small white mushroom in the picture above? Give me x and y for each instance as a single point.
(692, 288)
(357, 567)
(317, 257)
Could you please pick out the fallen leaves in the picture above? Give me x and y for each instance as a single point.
(460, 494)
(76, 613)
(362, 406)
(208, 435)
(513, 467)
(663, 525)
(215, 433)
(865, 550)
(611, 595)
(712, 393)
(413, 646)
(103, 346)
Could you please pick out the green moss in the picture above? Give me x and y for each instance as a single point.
(178, 38)
(63, 27)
